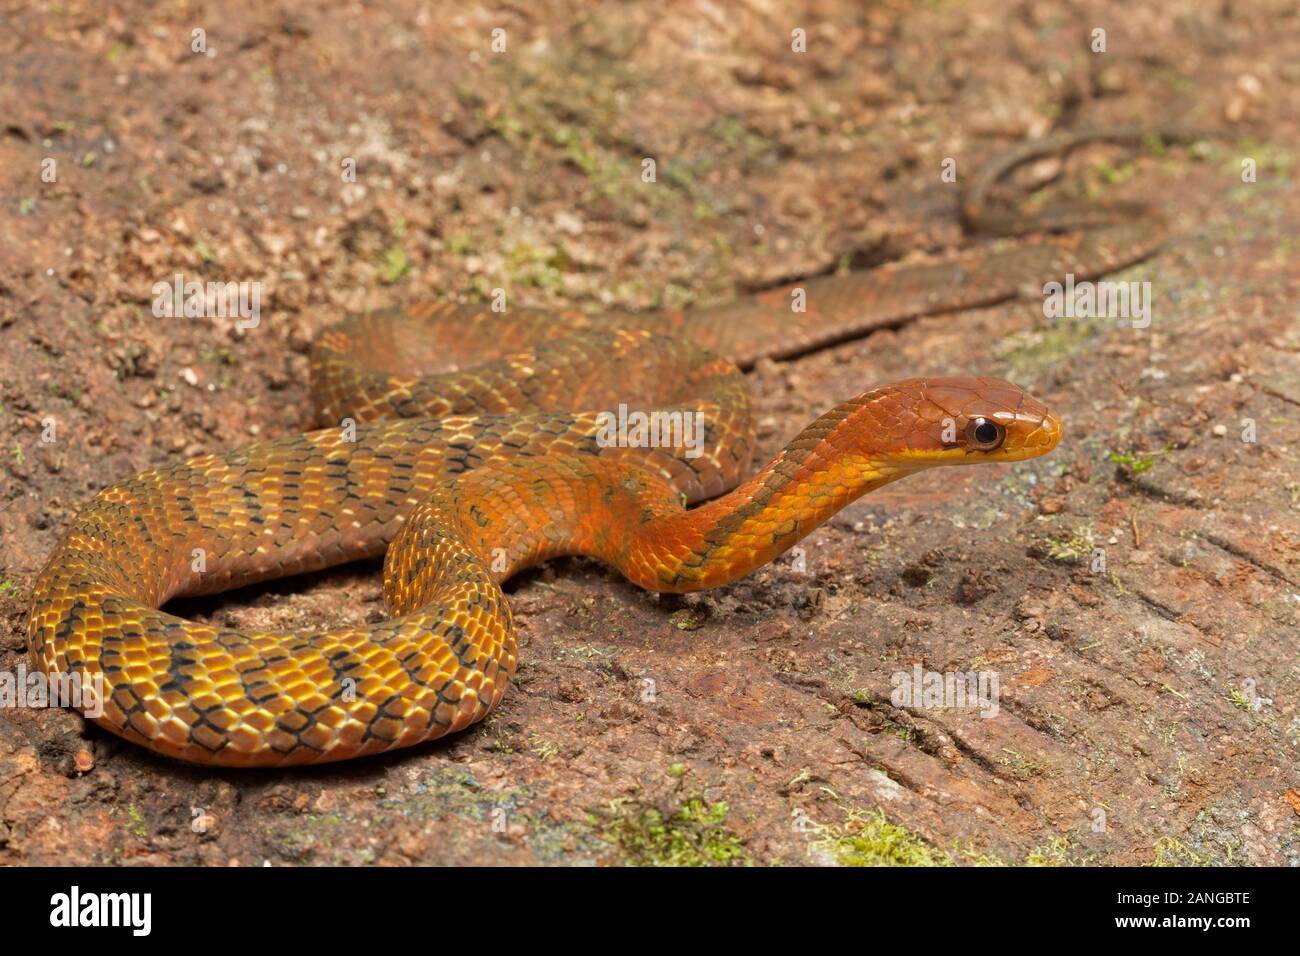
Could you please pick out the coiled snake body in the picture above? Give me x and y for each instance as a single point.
(490, 465)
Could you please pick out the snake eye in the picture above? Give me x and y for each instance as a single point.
(984, 435)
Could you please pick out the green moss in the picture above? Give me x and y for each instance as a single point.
(1022, 766)
(694, 835)
(869, 839)
(738, 137)
(1048, 345)
(459, 245)
(504, 125)
(1172, 852)
(972, 857)
(111, 857)
(529, 265)
(1112, 174)
(393, 264)
(137, 821)
(577, 150)
(1069, 550)
(1131, 462)
(448, 792)
(1058, 851)
(688, 619)
(301, 838)
(1239, 700)
(542, 747)
(1273, 160)
(1212, 839)
(899, 731)
(587, 652)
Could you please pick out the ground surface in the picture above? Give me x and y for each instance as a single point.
(1148, 710)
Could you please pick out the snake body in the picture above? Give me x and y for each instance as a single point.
(476, 446)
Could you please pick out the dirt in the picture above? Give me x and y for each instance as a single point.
(1136, 592)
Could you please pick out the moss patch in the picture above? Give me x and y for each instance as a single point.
(1059, 851)
(869, 839)
(694, 835)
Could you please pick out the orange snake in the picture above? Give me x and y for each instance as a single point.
(466, 476)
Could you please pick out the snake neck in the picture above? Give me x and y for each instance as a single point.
(516, 514)
(816, 475)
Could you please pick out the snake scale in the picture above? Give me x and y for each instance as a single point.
(477, 452)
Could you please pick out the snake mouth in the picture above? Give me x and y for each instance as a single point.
(1038, 440)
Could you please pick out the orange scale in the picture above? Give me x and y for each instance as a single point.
(350, 734)
(332, 717)
(223, 719)
(260, 721)
(243, 740)
(208, 701)
(143, 724)
(386, 729)
(174, 732)
(158, 708)
(280, 741)
(316, 736)
(141, 677)
(314, 701)
(445, 714)
(389, 671)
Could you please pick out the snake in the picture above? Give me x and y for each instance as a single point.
(465, 445)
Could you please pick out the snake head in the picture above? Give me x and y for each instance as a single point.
(963, 421)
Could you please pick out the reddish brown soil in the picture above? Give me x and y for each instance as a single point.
(1158, 697)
